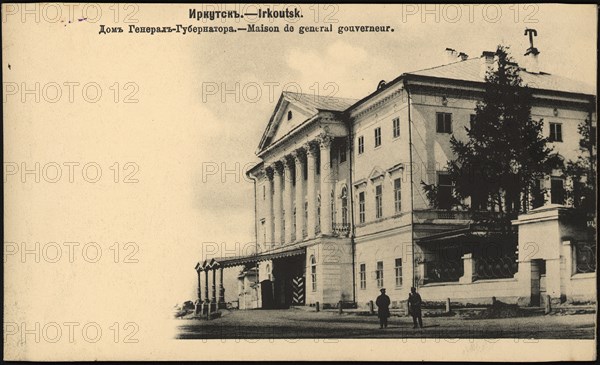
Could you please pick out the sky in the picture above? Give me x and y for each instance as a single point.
(190, 139)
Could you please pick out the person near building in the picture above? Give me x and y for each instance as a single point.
(414, 307)
(383, 308)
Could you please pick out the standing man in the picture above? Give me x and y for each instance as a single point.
(383, 308)
(414, 307)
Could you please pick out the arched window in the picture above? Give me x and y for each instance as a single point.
(313, 272)
(290, 115)
(344, 205)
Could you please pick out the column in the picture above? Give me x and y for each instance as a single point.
(199, 286)
(206, 284)
(221, 287)
(299, 159)
(311, 191)
(214, 285)
(269, 208)
(277, 206)
(469, 269)
(288, 199)
(326, 185)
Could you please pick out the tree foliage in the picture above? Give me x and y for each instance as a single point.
(497, 167)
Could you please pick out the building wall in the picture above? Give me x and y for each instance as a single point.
(384, 248)
(333, 272)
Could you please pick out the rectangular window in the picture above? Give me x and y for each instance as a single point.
(444, 122)
(555, 132)
(379, 274)
(444, 190)
(378, 201)
(361, 144)
(361, 207)
(398, 195)
(398, 269)
(377, 136)
(557, 190)
(396, 127)
(363, 276)
(264, 192)
(471, 120)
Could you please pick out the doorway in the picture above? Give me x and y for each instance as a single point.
(538, 281)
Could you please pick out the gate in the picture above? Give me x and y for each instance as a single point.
(298, 290)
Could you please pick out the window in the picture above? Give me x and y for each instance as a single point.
(537, 194)
(342, 152)
(313, 273)
(444, 122)
(555, 132)
(264, 192)
(378, 201)
(363, 276)
(398, 195)
(444, 190)
(361, 144)
(344, 205)
(290, 115)
(396, 127)
(361, 207)
(264, 230)
(557, 190)
(332, 200)
(377, 136)
(379, 274)
(398, 270)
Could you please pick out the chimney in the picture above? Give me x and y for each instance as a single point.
(531, 64)
(463, 56)
(487, 62)
(451, 55)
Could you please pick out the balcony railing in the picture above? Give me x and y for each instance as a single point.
(341, 229)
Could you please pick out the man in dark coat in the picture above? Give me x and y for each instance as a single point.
(414, 307)
(383, 308)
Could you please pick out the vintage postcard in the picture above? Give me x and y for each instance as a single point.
(299, 181)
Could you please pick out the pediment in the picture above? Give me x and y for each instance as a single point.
(376, 174)
(289, 113)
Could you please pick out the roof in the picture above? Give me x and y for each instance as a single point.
(318, 103)
(225, 262)
(310, 103)
(470, 70)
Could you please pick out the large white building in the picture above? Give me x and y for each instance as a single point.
(341, 212)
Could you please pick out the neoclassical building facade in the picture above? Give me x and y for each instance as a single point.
(341, 212)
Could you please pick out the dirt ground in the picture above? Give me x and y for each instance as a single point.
(296, 324)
